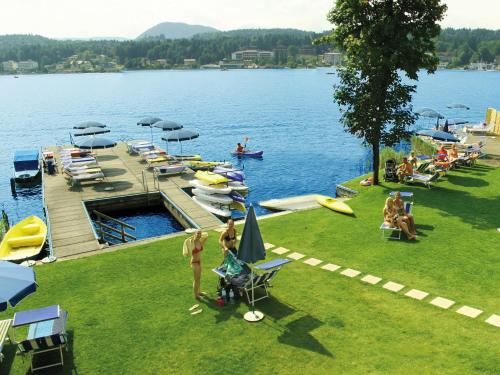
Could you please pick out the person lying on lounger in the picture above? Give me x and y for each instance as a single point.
(404, 170)
(392, 219)
(453, 155)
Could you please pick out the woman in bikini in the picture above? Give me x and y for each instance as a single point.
(197, 242)
(402, 214)
(228, 238)
(391, 218)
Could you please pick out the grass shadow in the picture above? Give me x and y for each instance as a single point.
(466, 181)
(276, 309)
(298, 334)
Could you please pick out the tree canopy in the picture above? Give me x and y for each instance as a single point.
(382, 40)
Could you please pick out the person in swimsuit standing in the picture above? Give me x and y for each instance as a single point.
(228, 238)
(197, 242)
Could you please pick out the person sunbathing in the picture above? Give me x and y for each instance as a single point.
(442, 154)
(228, 238)
(407, 218)
(193, 246)
(404, 170)
(453, 155)
(413, 159)
(391, 218)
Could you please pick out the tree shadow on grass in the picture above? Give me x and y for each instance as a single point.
(466, 181)
(298, 334)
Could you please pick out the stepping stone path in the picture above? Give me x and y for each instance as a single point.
(296, 256)
(471, 312)
(330, 267)
(442, 302)
(313, 261)
(280, 250)
(494, 320)
(370, 279)
(393, 287)
(416, 294)
(349, 272)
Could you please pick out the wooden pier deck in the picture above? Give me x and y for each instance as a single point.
(71, 230)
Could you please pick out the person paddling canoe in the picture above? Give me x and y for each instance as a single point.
(240, 149)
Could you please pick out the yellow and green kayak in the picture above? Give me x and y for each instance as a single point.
(334, 204)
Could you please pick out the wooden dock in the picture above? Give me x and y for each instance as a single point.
(70, 228)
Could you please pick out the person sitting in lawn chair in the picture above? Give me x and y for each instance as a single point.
(403, 216)
(391, 218)
(404, 170)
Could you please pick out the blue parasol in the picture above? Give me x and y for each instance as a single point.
(438, 134)
(95, 142)
(149, 121)
(16, 282)
(89, 124)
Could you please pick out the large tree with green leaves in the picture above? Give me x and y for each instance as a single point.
(383, 41)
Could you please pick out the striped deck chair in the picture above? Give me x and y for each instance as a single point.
(259, 281)
(40, 345)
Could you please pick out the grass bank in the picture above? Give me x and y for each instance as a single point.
(128, 309)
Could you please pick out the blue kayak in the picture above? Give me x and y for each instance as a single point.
(248, 154)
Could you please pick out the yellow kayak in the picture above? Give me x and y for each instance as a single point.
(197, 163)
(238, 206)
(24, 240)
(334, 204)
(210, 178)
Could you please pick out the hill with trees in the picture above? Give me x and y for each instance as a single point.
(175, 30)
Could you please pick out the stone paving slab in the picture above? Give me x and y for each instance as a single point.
(349, 272)
(280, 250)
(471, 312)
(444, 303)
(416, 294)
(313, 262)
(331, 267)
(370, 279)
(296, 256)
(268, 245)
(393, 287)
(494, 320)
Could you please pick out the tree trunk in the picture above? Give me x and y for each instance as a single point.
(376, 161)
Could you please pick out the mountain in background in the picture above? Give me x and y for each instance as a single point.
(175, 30)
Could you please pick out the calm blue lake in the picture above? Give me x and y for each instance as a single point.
(287, 113)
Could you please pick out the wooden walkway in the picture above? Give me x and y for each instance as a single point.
(71, 230)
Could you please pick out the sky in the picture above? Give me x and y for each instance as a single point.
(107, 18)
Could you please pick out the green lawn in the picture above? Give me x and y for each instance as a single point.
(128, 309)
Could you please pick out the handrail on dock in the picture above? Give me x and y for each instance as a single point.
(145, 181)
(46, 213)
(102, 233)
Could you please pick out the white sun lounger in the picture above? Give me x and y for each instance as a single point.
(386, 228)
(4, 334)
(79, 178)
(427, 180)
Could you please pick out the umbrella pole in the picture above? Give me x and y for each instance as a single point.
(151, 127)
(252, 315)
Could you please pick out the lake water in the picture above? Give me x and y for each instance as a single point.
(287, 113)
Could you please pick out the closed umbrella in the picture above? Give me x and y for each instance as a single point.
(252, 250)
(89, 124)
(458, 106)
(16, 282)
(180, 136)
(439, 135)
(91, 131)
(149, 121)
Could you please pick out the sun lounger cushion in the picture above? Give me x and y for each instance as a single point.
(26, 241)
(87, 176)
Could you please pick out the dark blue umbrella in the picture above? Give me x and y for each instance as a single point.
(91, 131)
(422, 110)
(16, 282)
(438, 134)
(168, 125)
(457, 121)
(91, 143)
(89, 124)
(149, 121)
(252, 250)
(180, 135)
(458, 106)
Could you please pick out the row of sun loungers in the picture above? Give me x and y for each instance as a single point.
(159, 160)
(80, 166)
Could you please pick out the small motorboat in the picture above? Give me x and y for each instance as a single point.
(187, 157)
(213, 198)
(334, 204)
(248, 154)
(210, 178)
(26, 166)
(210, 189)
(170, 169)
(24, 240)
(219, 211)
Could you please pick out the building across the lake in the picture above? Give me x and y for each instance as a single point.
(332, 58)
(27, 66)
(9, 66)
(252, 54)
(190, 62)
